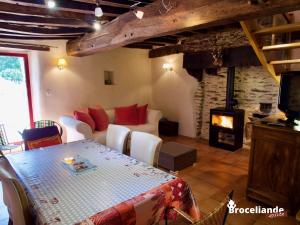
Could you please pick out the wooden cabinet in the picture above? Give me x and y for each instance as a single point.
(274, 169)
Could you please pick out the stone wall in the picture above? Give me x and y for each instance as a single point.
(252, 86)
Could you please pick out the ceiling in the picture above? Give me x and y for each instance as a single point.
(70, 19)
(32, 19)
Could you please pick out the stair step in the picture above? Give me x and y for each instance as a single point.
(286, 28)
(281, 46)
(287, 61)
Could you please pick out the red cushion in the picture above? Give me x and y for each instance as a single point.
(86, 118)
(44, 142)
(142, 113)
(100, 118)
(126, 115)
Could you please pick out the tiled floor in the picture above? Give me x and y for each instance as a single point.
(216, 173)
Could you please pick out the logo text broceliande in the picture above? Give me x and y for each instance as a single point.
(255, 210)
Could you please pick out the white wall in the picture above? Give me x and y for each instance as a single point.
(173, 93)
(56, 92)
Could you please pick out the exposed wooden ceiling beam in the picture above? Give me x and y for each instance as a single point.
(19, 29)
(286, 28)
(167, 50)
(188, 14)
(140, 46)
(7, 35)
(288, 61)
(201, 42)
(10, 44)
(43, 21)
(33, 11)
(69, 6)
(281, 46)
(164, 40)
(114, 4)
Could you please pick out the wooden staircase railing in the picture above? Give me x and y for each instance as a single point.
(266, 53)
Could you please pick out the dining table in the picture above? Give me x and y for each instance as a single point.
(115, 190)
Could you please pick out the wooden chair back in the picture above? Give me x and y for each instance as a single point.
(219, 215)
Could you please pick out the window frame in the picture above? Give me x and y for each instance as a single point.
(27, 76)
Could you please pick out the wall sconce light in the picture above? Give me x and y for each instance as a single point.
(167, 67)
(61, 63)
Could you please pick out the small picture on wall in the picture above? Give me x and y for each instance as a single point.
(108, 77)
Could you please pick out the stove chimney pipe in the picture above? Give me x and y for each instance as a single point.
(230, 102)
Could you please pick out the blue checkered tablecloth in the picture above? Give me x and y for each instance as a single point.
(62, 197)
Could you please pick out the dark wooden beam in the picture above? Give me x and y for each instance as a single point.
(10, 44)
(187, 15)
(167, 50)
(140, 46)
(43, 21)
(154, 43)
(108, 3)
(163, 40)
(70, 6)
(44, 12)
(7, 35)
(21, 29)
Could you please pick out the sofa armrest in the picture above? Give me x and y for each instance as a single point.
(154, 116)
(75, 129)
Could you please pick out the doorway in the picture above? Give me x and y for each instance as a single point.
(15, 96)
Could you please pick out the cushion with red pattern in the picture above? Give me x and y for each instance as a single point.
(44, 142)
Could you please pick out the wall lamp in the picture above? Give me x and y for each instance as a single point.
(61, 63)
(167, 67)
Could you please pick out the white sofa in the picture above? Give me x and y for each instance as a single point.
(77, 130)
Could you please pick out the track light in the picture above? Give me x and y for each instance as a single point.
(98, 11)
(139, 14)
(51, 4)
(97, 25)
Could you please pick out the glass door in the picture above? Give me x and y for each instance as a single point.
(15, 96)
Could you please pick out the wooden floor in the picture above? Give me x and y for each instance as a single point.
(215, 174)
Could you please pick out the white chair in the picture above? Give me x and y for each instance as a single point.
(145, 147)
(6, 171)
(18, 204)
(116, 137)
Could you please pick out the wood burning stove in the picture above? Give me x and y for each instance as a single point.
(226, 128)
(227, 124)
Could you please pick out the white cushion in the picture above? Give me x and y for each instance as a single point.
(148, 128)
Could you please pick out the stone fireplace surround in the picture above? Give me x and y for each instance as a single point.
(252, 86)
